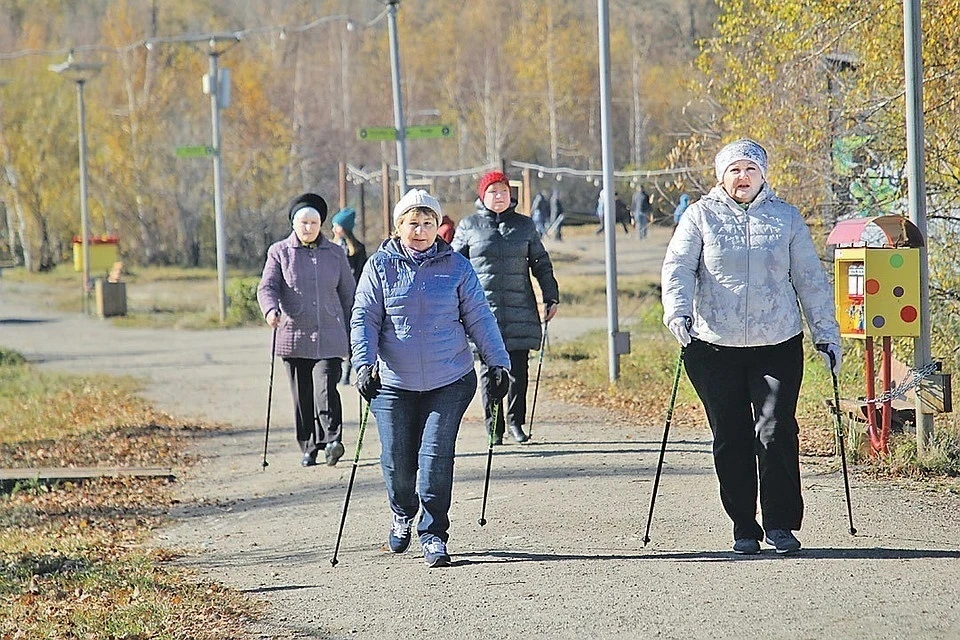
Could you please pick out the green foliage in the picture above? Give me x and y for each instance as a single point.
(243, 308)
(940, 458)
(9, 358)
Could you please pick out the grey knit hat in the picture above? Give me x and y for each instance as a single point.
(743, 149)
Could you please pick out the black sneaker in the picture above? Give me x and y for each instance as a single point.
(309, 460)
(746, 546)
(784, 541)
(399, 537)
(333, 452)
(435, 554)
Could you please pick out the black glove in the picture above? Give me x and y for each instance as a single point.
(498, 382)
(368, 382)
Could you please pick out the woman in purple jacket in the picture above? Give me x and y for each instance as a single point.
(418, 305)
(305, 293)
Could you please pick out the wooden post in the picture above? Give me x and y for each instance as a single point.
(363, 208)
(526, 191)
(886, 414)
(342, 182)
(873, 429)
(385, 181)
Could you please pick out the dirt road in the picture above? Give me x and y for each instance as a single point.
(561, 555)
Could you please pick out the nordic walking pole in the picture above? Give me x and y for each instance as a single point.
(663, 445)
(266, 434)
(486, 480)
(353, 474)
(536, 386)
(843, 455)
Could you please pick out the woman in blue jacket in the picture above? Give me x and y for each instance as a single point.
(417, 306)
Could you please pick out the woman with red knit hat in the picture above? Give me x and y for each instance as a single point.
(505, 249)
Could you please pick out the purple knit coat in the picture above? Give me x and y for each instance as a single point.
(313, 288)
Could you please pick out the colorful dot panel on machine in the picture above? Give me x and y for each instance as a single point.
(877, 277)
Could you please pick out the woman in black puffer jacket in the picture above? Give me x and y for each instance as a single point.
(505, 249)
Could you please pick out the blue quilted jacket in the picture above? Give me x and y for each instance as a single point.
(415, 320)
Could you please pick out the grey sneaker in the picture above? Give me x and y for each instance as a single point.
(333, 452)
(746, 546)
(784, 541)
(399, 537)
(435, 554)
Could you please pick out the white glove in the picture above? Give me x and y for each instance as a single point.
(680, 328)
(831, 354)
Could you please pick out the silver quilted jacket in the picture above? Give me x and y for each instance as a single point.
(743, 276)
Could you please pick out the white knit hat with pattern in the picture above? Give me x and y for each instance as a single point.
(743, 149)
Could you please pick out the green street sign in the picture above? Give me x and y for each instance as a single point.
(195, 152)
(420, 132)
(376, 134)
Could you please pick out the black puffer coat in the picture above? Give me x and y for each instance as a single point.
(505, 249)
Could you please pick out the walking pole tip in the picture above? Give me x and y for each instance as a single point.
(482, 521)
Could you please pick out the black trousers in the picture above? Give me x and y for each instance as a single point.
(516, 399)
(750, 397)
(316, 402)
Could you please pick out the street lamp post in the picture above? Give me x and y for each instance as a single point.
(80, 73)
(216, 86)
(397, 98)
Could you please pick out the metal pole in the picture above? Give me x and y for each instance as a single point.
(221, 232)
(609, 209)
(917, 194)
(84, 216)
(397, 99)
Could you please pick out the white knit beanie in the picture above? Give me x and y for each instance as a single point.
(743, 149)
(414, 199)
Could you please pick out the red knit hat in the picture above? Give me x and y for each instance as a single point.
(489, 178)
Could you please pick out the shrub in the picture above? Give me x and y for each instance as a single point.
(243, 309)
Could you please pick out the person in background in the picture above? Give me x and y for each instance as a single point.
(447, 228)
(556, 214)
(680, 208)
(418, 306)
(305, 294)
(505, 249)
(540, 212)
(739, 271)
(343, 222)
(641, 208)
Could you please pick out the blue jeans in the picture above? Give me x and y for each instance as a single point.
(418, 431)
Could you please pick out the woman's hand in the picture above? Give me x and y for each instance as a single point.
(368, 382)
(273, 318)
(550, 310)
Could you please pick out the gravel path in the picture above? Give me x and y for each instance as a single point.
(561, 555)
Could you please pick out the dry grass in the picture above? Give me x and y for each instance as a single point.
(73, 563)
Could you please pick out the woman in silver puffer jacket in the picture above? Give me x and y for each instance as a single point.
(739, 271)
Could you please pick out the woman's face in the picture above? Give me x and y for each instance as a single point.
(417, 229)
(307, 226)
(497, 197)
(742, 181)
(338, 231)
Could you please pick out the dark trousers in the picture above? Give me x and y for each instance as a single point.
(316, 401)
(516, 405)
(750, 397)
